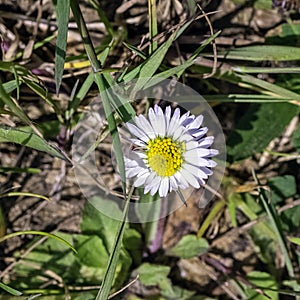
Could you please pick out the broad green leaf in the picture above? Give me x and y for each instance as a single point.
(257, 127)
(92, 252)
(28, 139)
(133, 243)
(150, 274)
(282, 187)
(10, 290)
(285, 34)
(95, 222)
(62, 8)
(189, 246)
(262, 52)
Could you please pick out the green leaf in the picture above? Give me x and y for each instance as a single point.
(62, 9)
(95, 222)
(87, 254)
(10, 290)
(282, 187)
(148, 68)
(263, 52)
(295, 240)
(150, 274)
(189, 246)
(28, 139)
(254, 131)
(264, 281)
(13, 105)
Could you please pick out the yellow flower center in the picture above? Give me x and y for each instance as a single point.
(164, 156)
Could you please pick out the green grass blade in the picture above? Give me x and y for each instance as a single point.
(262, 52)
(114, 255)
(26, 194)
(148, 68)
(28, 139)
(10, 290)
(275, 222)
(103, 18)
(211, 216)
(44, 95)
(62, 8)
(13, 105)
(152, 25)
(34, 232)
(269, 87)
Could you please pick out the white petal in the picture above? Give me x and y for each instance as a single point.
(190, 178)
(167, 117)
(141, 178)
(134, 172)
(173, 184)
(198, 133)
(164, 187)
(181, 180)
(185, 118)
(206, 142)
(137, 132)
(195, 171)
(178, 132)
(174, 122)
(138, 142)
(190, 145)
(142, 122)
(192, 158)
(155, 187)
(154, 121)
(161, 122)
(196, 123)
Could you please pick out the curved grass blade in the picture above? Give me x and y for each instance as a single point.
(62, 9)
(13, 194)
(34, 232)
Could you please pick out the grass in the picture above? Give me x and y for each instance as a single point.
(243, 244)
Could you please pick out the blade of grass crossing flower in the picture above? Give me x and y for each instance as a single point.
(10, 290)
(114, 255)
(62, 9)
(34, 232)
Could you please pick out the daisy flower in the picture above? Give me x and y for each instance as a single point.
(169, 152)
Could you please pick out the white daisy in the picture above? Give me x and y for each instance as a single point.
(169, 152)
